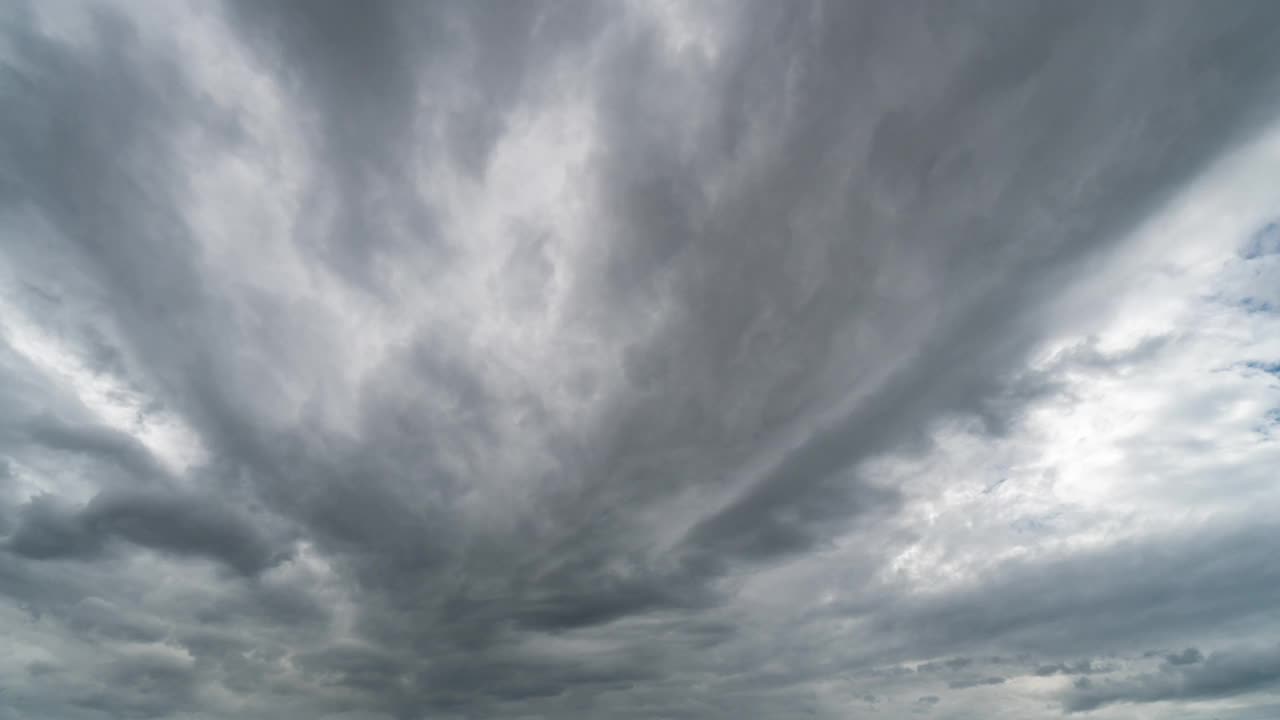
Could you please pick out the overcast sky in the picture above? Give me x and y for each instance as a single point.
(662, 360)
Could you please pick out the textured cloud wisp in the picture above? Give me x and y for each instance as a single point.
(400, 360)
(1220, 675)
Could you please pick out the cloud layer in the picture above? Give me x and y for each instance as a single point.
(574, 360)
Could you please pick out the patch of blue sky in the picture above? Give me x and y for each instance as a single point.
(1265, 241)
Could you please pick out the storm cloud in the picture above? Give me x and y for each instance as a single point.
(408, 360)
(1221, 675)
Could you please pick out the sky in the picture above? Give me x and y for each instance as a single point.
(708, 360)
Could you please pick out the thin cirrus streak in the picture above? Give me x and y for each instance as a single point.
(642, 359)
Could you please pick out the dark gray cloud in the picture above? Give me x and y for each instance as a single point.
(46, 529)
(181, 525)
(1080, 667)
(1080, 602)
(544, 359)
(974, 682)
(1190, 656)
(141, 686)
(1222, 674)
(104, 446)
(1266, 241)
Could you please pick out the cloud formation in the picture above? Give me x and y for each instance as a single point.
(569, 360)
(1220, 675)
(168, 523)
